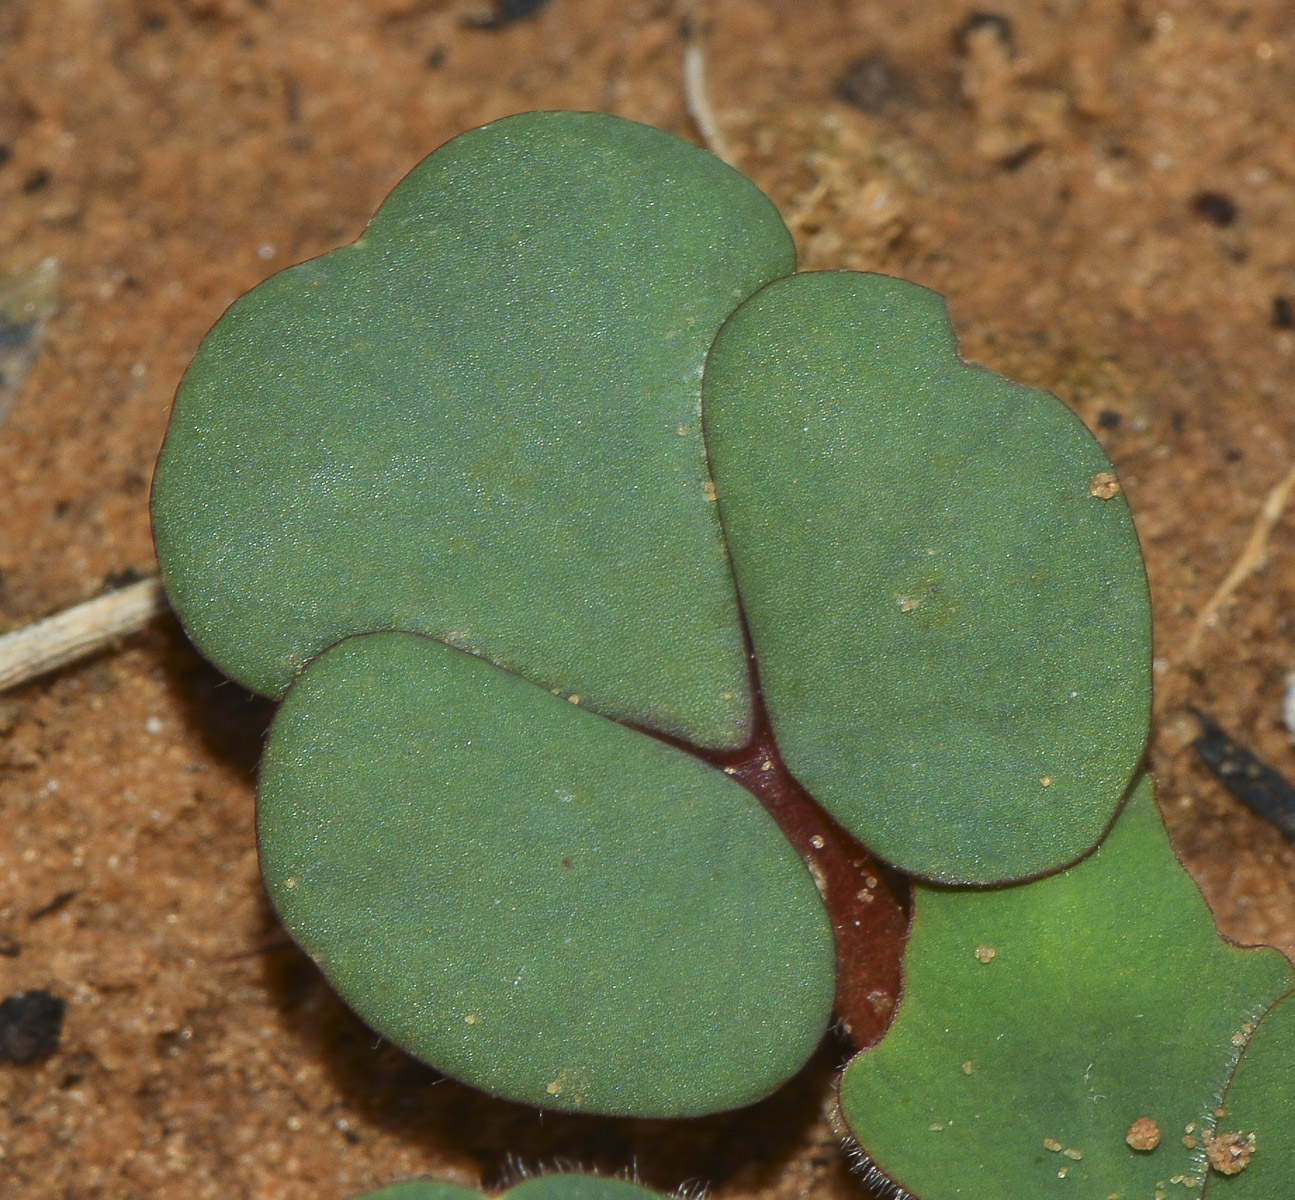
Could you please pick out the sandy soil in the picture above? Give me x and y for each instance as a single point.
(1103, 189)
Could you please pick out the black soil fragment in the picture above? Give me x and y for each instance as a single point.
(120, 579)
(1257, 785)
(873, 84)
(30, 1025)
(56, 905)
(508, 11)
(1215, 207)
(36, 181)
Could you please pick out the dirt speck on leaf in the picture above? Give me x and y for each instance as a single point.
(1104, 485)
(1229, 1153)
(1143, 1134)
(881, 1002)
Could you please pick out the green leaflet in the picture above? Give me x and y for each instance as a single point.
(1041, 1020)
(952, 631)
(534, 899)
(481, 421)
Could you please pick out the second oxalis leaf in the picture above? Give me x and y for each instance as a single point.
(425, 483)
(1088, 1033)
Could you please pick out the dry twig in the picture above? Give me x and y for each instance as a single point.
(694, 86)
(1254, 554)
(78, 632)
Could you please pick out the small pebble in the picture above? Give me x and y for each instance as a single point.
(30, 1026)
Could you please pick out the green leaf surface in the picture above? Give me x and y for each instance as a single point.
(532, 898)
(1039, 1021)
(1261, 1100)
(953, 632)
(481, 421)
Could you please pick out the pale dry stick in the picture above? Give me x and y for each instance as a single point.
(695, 92)
(78, 632)
(1253, 556)
(808, 205)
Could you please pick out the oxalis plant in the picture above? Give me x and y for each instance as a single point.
(621, 586)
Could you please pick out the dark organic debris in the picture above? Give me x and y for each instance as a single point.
(1018, 158)
(508, 11)
(1215, 207)
(1253, 782)
(1283, 316)
(120, 579)
(873, 84)
(30, 1025)
(56, 905)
